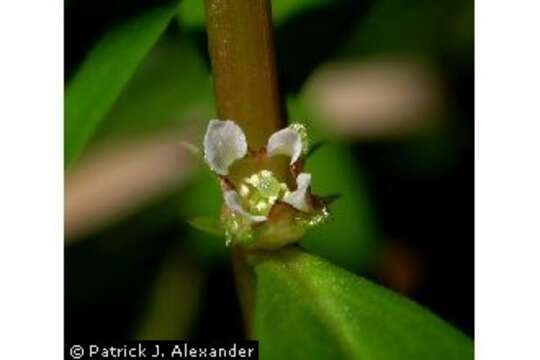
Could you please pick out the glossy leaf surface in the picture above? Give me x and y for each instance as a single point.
(308, 308)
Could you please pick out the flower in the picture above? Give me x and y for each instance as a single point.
(268, 202)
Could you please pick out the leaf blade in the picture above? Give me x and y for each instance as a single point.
(302, 299)
(207, 225)
(105, 71)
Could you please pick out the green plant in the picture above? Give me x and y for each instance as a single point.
(299, 306)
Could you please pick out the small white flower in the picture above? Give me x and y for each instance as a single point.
(252, 198)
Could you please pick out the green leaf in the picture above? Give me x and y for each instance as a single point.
(171, 88)
(307, 308)
(283, 10)
(208, 225)
(422, 28)
(105, 71)
(204, 199)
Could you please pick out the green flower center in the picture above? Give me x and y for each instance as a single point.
(260, 191)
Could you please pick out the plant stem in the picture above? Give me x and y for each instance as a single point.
(240, 43)
(241, 48)
(245, 285)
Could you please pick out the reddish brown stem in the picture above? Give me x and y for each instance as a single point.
(240, 43)
(241, 48)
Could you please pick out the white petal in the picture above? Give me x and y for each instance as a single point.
(224, 143)
(298, 198)
(233, 202)
(286, 141)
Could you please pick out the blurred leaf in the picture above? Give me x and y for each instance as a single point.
(191, 13)
(171, 88)
(282, 10)
(203, 199)
(309, 309)
(174, 302)
(421, 27)
(107, 68)
(349, 238)
(314, 148)
(208, 225)
(169, 93)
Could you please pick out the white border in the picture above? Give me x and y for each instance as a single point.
(31, 181)
(507, 195)
(508, 180)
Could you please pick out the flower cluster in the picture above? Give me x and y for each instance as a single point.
(267, 196)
